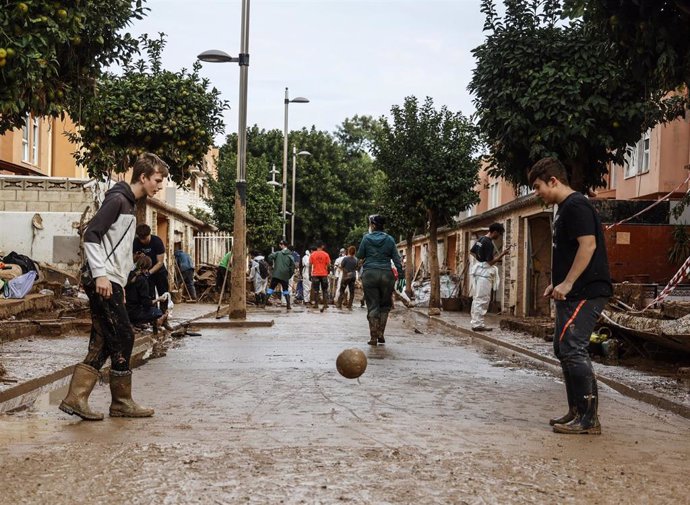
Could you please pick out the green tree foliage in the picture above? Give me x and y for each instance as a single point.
(263, 204)
(357, 134)
(430, 158)
(334, 190)
(52, 52)
(544, 88)
(651, 37)
(148, 109)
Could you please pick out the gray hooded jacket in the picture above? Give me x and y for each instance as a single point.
(109, 236)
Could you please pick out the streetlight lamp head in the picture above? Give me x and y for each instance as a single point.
(304, 153)
(216, 56)
(300, 99)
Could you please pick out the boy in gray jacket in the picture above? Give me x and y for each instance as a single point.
(108, 248)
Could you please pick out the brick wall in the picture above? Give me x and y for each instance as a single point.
(42, 194)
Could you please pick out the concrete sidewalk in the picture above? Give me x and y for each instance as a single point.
(654, 388)
(35, 364)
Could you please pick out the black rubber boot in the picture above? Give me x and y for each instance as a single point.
(571, 401)
(82, 383)
(325, 302)
(121, 391)
(374, 331)
(287, 302)
(383, 320)
(586, 398)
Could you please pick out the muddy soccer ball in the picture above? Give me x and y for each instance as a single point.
(351, 363)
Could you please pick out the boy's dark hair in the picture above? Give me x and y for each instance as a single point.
(143, 230)
(144, 262)
(351, 250)
(319, 244)
(283, 242)
(497, 227)
(546, 168)
(148, 164)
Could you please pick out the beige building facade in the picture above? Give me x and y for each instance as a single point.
(638, 251)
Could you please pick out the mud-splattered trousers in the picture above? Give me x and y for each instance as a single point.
(378, 285)
(319, 283)
(111, 331)
(575, 321)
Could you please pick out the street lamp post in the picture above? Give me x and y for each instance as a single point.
(238, 299)
(299, 99)
(294, 178)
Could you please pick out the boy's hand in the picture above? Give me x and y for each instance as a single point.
(104, 287)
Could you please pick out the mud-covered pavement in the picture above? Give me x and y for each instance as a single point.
(261, 416)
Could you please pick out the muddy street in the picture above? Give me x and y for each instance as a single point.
(260, 415)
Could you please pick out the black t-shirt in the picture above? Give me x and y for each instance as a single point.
(349, 265)
(576, 218)
(483, 249)
(152, 249)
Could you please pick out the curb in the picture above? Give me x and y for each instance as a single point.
(26, 393)
(615, 384)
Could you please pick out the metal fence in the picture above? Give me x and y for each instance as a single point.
(209, 248)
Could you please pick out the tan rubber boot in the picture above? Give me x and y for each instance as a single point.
(123, 405)
(76, 402)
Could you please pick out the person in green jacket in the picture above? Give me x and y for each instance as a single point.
(283, 268)
(377, 250)
(223, 267)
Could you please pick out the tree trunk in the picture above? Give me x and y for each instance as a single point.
(409, 269)
(435, 296)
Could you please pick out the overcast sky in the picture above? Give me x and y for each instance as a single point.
(347, 56)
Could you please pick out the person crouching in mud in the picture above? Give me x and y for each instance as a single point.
(377, 249)
(108, 248)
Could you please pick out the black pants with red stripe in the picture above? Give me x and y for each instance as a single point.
(575, 321)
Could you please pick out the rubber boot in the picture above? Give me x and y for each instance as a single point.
(374, 331)
(586, 404)
(325, 302)
(287, 302)
(121, 391)
(339, 303)
(349, 303)
(383, 320)
(76, 402)
(571, 401)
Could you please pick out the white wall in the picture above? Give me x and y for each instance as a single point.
(57, 243)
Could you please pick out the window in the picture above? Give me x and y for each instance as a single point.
(30, 144)
(494, 195)
(523, 190)
(34, 147)
(637, 157)
(644, 148)
(25, 139)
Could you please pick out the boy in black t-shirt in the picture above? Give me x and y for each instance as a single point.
(580, 286)
(153, 247)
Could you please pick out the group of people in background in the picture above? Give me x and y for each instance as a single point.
(318, 281)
